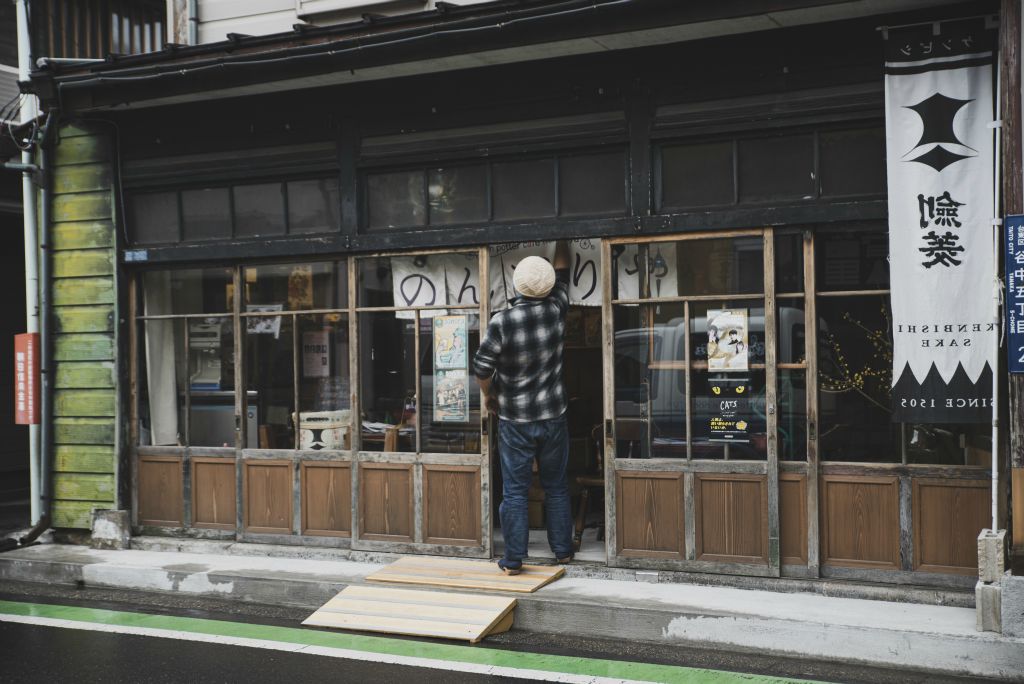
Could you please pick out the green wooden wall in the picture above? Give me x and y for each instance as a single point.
(82, 235)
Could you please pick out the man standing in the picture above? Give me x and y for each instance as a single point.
(519, 367)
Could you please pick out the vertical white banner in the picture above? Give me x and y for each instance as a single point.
(940, 164)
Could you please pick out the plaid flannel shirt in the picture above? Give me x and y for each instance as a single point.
(522, 350)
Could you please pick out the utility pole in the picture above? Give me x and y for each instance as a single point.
(29, 111)
(1013, 203)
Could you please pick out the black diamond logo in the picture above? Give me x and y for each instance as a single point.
(937, 113)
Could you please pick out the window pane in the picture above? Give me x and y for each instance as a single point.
(325, 414)
(690, 267)
(728, 392)
(729, 415)
(791, 331)
(853, 259)
(270, 379)
(650, 381)
(948, 444)
(854, 380)
(789, 262)
(162, 379)
(697, 175)
(780, 167)
(313, 206)
(211, 372)
(396, 200)
(853, 162)
(450, 405)
(387, 382)
(187, 291)
(524, 189)
(592, 184)
(153, 218)
(297, 287)
(792, 395)
(206, 214)
(458, 195)
(259, 209)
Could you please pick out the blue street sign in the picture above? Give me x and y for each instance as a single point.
(1015, 292)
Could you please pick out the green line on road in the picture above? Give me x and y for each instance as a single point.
(478, 655)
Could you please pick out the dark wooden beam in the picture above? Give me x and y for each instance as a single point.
(1013, 203)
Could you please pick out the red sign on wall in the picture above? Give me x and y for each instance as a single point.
(26, 379)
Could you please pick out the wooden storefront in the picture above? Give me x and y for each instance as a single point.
(265, 228)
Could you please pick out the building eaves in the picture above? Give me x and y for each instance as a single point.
(445, 39)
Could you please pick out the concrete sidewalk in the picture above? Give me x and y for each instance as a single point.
(928, 638)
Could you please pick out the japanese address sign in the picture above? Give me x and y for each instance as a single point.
(1015, 292)
(26, 379)
(939, 162)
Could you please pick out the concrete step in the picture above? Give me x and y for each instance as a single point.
(928, 638)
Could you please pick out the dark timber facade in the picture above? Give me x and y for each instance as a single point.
(239, 204)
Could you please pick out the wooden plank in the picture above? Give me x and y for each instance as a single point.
(83, 319)
(83, 431)
(75, 291)
(83, 459)
(85, 375)
(74, 514)
(84, 403)
(82, 178)
(75, 263)
(811, 356)
(82, 235)
(465, 617)
(467, 574)
(83, 347)
(81, 150)
(82, 206)
(947, 517)
(771, 398)
(83, 487)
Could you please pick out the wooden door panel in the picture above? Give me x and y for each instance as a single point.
(860, 521)
(160, 493)
(650, 515)
(732, 517)
(451, 505)
(948, 516)
(268, 495)
(213, 493)
(793, 518)
(385, 501)
(327, 498)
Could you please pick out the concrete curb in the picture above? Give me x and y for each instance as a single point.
(933, 639)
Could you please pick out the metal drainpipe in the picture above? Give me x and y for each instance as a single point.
(28, 203)
(45, 341)
(193, 22)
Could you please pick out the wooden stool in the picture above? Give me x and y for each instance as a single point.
(587, 482)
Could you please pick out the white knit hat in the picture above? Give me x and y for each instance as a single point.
(534, 277)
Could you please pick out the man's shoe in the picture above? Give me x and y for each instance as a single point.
(509, 567)
(566, 560)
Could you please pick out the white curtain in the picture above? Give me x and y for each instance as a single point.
(160, 360)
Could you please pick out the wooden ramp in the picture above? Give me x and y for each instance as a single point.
(468, 617)
(465, 574)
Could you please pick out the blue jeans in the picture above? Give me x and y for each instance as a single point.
(519, 444)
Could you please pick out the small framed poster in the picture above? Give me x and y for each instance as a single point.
(451, 396)
(451, 342)
(728, 340)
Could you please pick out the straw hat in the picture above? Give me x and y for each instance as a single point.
(534, 277)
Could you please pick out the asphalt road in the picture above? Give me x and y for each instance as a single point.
(45, 653)
(49, 654)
